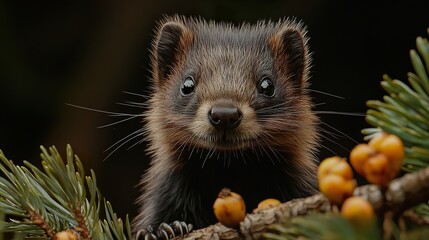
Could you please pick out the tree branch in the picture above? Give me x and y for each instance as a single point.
(37, 219)
(400, 195)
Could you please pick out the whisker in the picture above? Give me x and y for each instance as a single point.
(135, 144)
(139, 133)
(341, 113)
(120, 121)
(131, 135)
(334, 142)
(117, 148)
(124, 117)
(133, 104)
(269, 155)
(209, 155)
(192, 151)
(183, 142)
(319, 104)
(112, 114)
(327, 94)
(338, 131)
(280, 124)
(332, 134)
(136, 94)
(275, 106)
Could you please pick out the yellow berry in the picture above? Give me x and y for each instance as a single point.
(335, 165)
(376, 141)
(65, 235)
(379, 161)
(336, 188)
(359, 155)
(229, 208)
(393, 148)
(357, 210)
(268, 203)
(377, 170)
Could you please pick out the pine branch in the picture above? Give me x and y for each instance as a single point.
(405, 110)
(59, 198)
(401, 194)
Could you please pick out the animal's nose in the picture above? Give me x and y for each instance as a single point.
(225, 116)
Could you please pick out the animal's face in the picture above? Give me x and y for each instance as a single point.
(222, 87)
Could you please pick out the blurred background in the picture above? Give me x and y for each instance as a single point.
(95, 53)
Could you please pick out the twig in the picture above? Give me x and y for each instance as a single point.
(81, 227)
(37, 219)
(401, 194)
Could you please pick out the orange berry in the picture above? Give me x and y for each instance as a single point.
(393, 148)
(335, 165)
(65, 235)
(326, 166)
(377, 169)
(359, 155)
(336, 188)
(343, 169)
(376, 141)
(268, 203)
(349, 187)
(381, 160)
(229, 208)
(357, 210)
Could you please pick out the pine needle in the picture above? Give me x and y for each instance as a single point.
(61, 197)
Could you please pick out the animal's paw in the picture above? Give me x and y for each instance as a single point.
(164, 231)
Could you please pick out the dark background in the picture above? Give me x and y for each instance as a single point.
(89, 53)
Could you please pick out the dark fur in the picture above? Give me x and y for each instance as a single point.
(270, 154)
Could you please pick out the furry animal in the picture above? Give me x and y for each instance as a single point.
(229, 107)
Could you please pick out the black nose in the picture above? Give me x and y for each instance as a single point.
(225, 116)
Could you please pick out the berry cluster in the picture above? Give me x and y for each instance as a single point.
(379, 162)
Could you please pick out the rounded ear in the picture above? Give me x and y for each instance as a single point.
(169, 48)
(291, 53)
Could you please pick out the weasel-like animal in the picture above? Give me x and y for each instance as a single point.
(229, 107)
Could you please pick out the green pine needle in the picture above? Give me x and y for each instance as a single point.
(405, 110)
(39, 203)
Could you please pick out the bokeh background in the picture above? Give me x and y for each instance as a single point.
(91, 53)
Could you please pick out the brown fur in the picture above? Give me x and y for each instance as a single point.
(271, 152)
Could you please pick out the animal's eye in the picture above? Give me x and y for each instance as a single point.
(188, 86)
(266, 87)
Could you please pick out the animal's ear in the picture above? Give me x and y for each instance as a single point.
(169, 48)
(291, 52)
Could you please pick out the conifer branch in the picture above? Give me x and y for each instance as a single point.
(81, 227)
(59, 198)
(405, 110)
(38, 220)
(401, 194)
